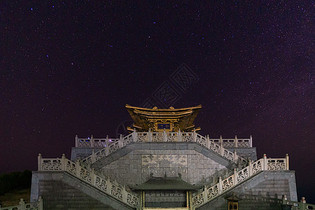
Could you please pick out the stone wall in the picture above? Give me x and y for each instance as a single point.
(165, 199)
(136, 166)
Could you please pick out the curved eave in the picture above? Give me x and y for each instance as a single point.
(163, 110)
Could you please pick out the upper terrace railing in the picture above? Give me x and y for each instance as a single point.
(92, 142)
(234, 143)
(263, 164)
(105, 185)
(113, 146)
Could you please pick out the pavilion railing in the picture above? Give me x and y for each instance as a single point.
(113, 146)
(263, 164)
(105, 185)
(38, 205)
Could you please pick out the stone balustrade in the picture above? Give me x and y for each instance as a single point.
(263, 164)
(106, 185)
(91, 142)
(234, 143)
(165, 137)
(26, 206)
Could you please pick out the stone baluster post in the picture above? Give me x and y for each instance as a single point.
(251, 141)
(92, 141)
(22, 205)
(109, 186)
(194, 136)
(134, 136)
(93, 178)
(63, 162)
(204, 194)
(221, 146)
(77, 168)
(235, 176)
(39, 162)
(250, 168)
(76, 141)
(220, 185)
(179, 136)
(120, 143)
(287, 162)
(164, 136)
(265, 163)
(124, 194)
(150, 135)
(208, 141)
(106, 146)
(236, 141)
(121, 140)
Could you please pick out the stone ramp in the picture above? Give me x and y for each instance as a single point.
(61, 190)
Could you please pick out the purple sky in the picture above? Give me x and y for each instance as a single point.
(69, 67)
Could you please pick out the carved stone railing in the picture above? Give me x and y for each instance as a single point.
(91, 142)
(234, 143)
(109, 148)
(105, 185)
(263, 164)
(26, 206)
(163, 137)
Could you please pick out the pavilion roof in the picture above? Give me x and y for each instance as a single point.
(182, 118)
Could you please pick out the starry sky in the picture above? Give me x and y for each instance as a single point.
(69, 67)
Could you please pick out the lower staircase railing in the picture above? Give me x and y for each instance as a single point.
(105, 185)
(263, 164)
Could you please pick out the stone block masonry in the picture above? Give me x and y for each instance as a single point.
(136, 166)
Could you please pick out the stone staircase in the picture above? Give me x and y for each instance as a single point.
(77, 182)
(134, 137)
(208, 193)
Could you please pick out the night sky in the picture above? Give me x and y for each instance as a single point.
(69, 67)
